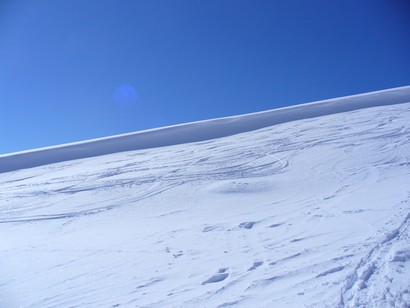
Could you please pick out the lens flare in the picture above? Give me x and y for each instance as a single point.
(126, 95)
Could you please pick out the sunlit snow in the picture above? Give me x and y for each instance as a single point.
(313, 212)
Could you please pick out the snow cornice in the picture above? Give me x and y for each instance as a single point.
(199, 131)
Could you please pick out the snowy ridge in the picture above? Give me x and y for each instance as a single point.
(199, 131)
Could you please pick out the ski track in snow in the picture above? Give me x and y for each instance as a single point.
(310, 213)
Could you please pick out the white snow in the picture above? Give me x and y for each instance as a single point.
(312, 212)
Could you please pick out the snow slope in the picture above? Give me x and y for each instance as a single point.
(313, 212)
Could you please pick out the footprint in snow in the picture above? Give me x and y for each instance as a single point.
(244, 225)
(178, 254)
(255, 265)
(247, 225)
(217, 277)
(401, 256)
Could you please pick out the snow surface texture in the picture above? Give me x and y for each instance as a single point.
(314, 212)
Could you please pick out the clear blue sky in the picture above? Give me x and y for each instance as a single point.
(81, 69)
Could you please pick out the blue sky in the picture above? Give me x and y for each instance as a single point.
(75, 70)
